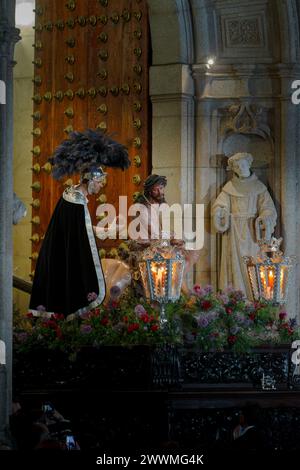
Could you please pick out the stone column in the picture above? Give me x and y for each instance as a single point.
(9, 35)
(173, 149)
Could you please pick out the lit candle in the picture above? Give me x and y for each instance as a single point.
(271, 278)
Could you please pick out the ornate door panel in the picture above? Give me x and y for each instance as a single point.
(91, 70)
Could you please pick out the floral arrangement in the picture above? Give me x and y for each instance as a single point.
(204, 319)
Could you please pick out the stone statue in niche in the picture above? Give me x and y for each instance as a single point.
(243, 213)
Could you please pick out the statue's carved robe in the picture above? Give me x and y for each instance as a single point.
(244, 201)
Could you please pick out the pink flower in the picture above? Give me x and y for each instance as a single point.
(86, 329)
(139, 310)
(92, 296)
(41, 308)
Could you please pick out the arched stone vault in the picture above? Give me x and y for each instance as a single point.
(255, 48)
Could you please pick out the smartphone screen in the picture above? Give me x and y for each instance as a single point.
(70, 442)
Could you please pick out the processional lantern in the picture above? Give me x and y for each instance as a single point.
(161, 269)
(270, 272)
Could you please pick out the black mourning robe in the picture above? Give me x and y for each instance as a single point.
(68, 268)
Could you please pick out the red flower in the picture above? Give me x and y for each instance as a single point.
(228, 310)
(58, 316)
(113, 304)
(231, 339)
(125, 319)
(104, 321)
(96, 312)
(206, 304)
(133, 327)
(58, 332)
(145, 318)
(252, 316)
(29, 315)
(282, 315)
(154, 327)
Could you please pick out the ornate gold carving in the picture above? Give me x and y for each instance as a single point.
(103, 19)
(137, 106)
(59, 96)
(36, 151)
(137, 15)
(80, 93)
(137, 68)
(126, 15)
(36, 132)
(68, 182)
(39, 11)
(102, 74)
(48, 96)
(36, 186)
(102, 198)
(70, 23)
(34, 256)
(102, 108)
(136, 179)
(137, 161)
(60, 25)
(137, 33)
(37, 80)
(69, 94)
(38, 27)
(69, 77)
(102, 253)
(71, 42)
(48, 26)
(137, 123)
(135, 195)
(103, 54)
(102, 125)
(81, 20)
(137, 143)
(92, 92)
(36, 168)
(103, 37)
(68, 129)
(38, 45)
(36, 220)
(36, 116)
(69, 112)
(137, 51)
(35, 238)
(38, 62)
(37, 99)
(47, 168)
(137, 87)
(70, 59)
(125, 89)
(115, 17)
(102, 90)
(114, 90)
(71, 5)
(36, 204)
(93, 20)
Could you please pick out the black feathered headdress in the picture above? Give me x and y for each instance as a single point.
(86, 150)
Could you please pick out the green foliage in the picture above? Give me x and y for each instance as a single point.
(205, 320)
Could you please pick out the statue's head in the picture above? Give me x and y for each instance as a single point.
(154, 188)
(240, 164)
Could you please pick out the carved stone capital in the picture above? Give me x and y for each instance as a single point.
(9, 36)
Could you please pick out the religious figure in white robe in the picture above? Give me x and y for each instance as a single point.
(243, 213)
